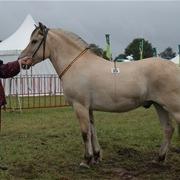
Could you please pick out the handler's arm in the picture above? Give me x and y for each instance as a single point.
(10, 69)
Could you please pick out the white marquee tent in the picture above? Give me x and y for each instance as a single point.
(27, 81)
(11, 47)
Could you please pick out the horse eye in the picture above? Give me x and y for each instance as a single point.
(34, 41)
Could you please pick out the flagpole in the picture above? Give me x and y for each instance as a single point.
(108, 47)
(141, 48)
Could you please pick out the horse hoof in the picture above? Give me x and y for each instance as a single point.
(162, 158)
(98, 157)
(84, 165)
(97, 161)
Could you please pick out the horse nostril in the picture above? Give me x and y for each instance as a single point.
(25, 66)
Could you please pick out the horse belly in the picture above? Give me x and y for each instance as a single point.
(127, 95)
(120, 105)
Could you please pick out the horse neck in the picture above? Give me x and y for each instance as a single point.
(62, 51)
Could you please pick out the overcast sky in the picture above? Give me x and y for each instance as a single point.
(157, 22)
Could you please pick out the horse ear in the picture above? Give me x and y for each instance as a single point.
(42, 27)
(35, 25)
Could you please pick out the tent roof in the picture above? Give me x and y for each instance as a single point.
(12, 46)
(19, 39)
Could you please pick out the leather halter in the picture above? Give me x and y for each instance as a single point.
(44, 44)
(73, 61)
(44, 48)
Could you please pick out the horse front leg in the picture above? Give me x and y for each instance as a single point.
(83, 116)
(95, 144)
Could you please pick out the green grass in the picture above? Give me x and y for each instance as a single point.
(47, 144)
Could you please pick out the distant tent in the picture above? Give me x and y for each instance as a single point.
(19, 39)
(175, 60)
(10, 50)
(11, 47)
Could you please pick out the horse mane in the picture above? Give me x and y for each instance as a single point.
(74, 36)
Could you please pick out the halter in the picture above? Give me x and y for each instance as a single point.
(44, 44)
(73, 61)
(44, 48)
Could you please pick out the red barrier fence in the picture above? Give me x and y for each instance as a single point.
(34, 91)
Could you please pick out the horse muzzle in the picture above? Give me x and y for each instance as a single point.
(25, 66)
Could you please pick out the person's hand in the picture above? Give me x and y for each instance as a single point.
(25, 61)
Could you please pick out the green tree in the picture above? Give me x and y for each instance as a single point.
(96, 49)
(167, 53)
(134, 49)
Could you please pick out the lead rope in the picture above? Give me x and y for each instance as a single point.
(73, 61)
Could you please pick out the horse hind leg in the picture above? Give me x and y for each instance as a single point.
(95, 144)
(167, 128)
(176, 116)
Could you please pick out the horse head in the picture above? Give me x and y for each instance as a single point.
(38, 47)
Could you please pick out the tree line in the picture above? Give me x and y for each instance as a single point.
(134, 49)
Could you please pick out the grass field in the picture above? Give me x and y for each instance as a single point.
(47, 144)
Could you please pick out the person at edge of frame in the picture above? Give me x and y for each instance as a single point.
(9, 70)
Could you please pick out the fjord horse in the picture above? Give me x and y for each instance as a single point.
(91, 84)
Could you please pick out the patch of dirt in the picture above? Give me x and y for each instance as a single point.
(128, 152)
(121, 173)
(131, 164)
(152, 168)
(126, 164)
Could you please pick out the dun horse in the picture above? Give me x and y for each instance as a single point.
(90, 84)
